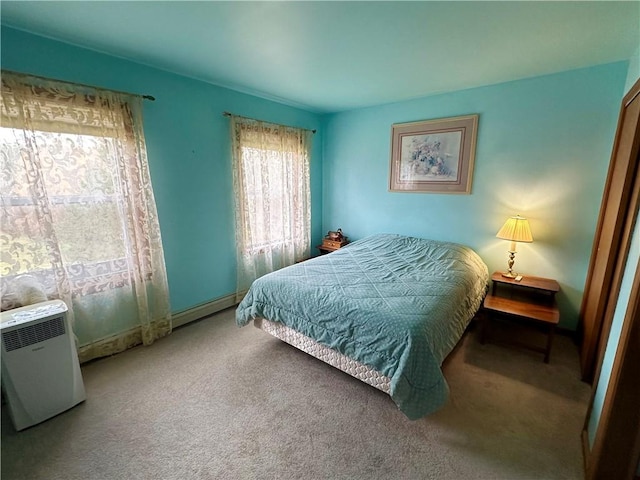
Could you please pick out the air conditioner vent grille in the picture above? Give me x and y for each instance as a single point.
(30, 334)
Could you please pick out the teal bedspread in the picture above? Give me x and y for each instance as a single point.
(399, 304)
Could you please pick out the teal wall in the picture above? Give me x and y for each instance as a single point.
(543, 151)
(633, 73)
(189, 155)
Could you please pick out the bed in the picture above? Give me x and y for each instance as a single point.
(386, 309)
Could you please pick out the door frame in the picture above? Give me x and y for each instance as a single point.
(611, 242)
(616, 447)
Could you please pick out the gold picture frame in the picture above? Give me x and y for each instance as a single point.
(433, 156)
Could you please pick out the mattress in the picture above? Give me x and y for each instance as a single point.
(348, 365)
(395, 304)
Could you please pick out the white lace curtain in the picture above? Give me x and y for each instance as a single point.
(78, 212)
(272, 197)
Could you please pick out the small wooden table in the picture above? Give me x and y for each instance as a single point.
(324, 249)
(531, 298)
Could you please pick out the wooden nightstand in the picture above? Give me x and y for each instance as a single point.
(331, 245)
(531, 299)
(327, 249)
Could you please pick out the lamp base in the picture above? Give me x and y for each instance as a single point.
(512, 258)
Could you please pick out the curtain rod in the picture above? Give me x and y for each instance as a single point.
(146, 97)
(228, 114)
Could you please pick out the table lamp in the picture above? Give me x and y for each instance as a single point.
(515, 229)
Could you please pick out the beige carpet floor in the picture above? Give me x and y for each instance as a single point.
(214, 401)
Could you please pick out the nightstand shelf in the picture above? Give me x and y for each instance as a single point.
(324, 249)
(531, 299)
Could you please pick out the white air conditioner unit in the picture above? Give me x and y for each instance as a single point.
(41, 374)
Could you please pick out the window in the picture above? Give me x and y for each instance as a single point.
(272, 194)
(84, 203)
(78, 212)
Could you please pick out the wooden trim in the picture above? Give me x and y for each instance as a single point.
(610, 243)
(616, 447)
(620, 266)
(586, 448)
(619, 272)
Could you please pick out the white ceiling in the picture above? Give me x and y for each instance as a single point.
(334, 56)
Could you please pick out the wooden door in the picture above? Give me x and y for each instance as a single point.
(611, 244)
(615, 452)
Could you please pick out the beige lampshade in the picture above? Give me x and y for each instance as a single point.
(516, 229)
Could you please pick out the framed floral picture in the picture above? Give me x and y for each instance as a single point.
(433, 156)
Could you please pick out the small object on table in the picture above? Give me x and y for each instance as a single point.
(332, 241)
